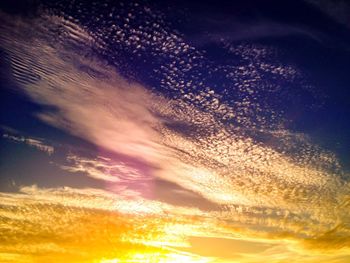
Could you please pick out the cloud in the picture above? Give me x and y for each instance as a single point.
(224, 166)
(337, 10)
(292, 193)
(36, 143)
(102, 169)
(42, 224)
(81, 221)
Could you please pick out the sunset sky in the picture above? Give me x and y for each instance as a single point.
(175, 131)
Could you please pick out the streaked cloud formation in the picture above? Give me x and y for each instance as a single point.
(102, 168)
(93, 225)
(288, 201)
(36, 143)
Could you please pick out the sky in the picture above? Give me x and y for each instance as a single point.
(174, 131)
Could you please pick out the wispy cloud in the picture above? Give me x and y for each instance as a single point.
(79, 219)
(101, 168)
(36, 143)
(82, 219)
(295, 193)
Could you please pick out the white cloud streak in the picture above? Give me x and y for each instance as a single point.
(36, 143)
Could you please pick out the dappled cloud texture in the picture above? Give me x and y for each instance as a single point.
(289, 201)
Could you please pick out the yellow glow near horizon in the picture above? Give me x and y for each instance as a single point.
(61, 229)
(158, 258)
